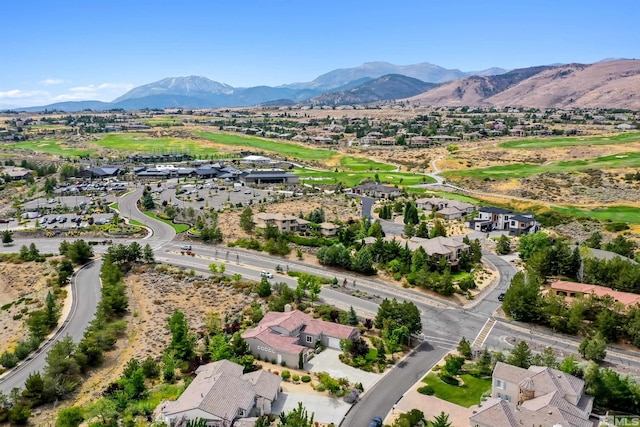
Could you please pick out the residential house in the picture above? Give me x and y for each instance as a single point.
(538, 396)
(441, 247)
(284, 222)
(490, 218)
(288, 337)
(220, 394)
(581, 290)
(377, 190)
(445, 208)
(328, 229)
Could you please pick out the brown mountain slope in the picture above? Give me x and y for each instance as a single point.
(614, 84)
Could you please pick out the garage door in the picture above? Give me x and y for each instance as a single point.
(334, 343)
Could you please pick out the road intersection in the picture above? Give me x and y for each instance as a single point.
(444, 323)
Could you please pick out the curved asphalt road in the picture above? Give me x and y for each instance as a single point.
(85, 287)
(86, 294)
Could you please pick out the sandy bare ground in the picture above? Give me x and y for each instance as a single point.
(27, 283)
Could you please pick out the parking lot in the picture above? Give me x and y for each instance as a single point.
(209, 194)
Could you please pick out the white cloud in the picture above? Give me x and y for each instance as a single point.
(17, 98)
(49, 82)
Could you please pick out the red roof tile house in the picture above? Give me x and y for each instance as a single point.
(581, 290)
(288, 337)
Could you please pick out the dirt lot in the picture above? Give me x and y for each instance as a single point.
(336, 208)
(24, 286)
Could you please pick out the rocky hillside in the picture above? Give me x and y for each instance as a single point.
(611, 84)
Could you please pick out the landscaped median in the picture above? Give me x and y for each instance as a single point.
(180, 228)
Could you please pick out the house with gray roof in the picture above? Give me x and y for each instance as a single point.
(535, 396)
(440, 247)
(492, 218)
(221, 394)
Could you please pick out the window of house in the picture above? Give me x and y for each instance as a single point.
(309, 339)
(501, 384)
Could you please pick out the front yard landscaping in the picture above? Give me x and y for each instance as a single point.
(467, 394)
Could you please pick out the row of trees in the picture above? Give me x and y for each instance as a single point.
(67, 362)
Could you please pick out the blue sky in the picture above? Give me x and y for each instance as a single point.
(76, 50)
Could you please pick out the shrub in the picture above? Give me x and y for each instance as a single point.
(427, 389)
(285, 375)
(448, 379)
(305, 378)
(295, 378)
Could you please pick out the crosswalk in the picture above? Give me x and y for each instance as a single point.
(484, 333)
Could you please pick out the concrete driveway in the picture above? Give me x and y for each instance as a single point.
(328, 362)
(326, 410)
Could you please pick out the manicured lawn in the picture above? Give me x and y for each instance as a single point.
(372, 355)
(114, 205)
(180, 228)
(283, 148)
(350, 179)
(523, 170)
(136, 222)
(623, 138)
(140, 143)
(50, 146)
(360, 164)
(466, 395)
(614, 213)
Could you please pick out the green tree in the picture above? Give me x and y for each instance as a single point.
(147, 254)
(464, 348)
(246, 220)
(520, 355)
(62, 372)
(453, 364)
(147, 202)
(484, 362)
(411, 213)
(168, 368)
(264, 288)
(182, 342)
(594, 241)
(532, 243)
(65, 271)
(7, 237)
(593, 348)
(52, 311)
(353, 318)
(522, 299)
(70, 417)
(546, 358)
(441, 420)
(438, 230)
(413, 418)
(298, 417)
(219, 348)
(79, 252)
(363, 262)
(19, 415)
(503, 245)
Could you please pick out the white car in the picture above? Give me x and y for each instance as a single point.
(266, 274)
(247, 191)
(185, 247)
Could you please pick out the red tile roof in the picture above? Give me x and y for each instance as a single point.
(626, 298)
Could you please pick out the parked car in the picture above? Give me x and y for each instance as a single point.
(247, 191)
(200, 199)
(376, 422)
(185, 247)
(501, 296)
(3, 220)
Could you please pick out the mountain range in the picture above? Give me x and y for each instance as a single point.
(608, 84)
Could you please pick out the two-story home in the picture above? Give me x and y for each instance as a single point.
(285, 223)
(538, 396)
(220, 394)
(491, 218)
(288, 337)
